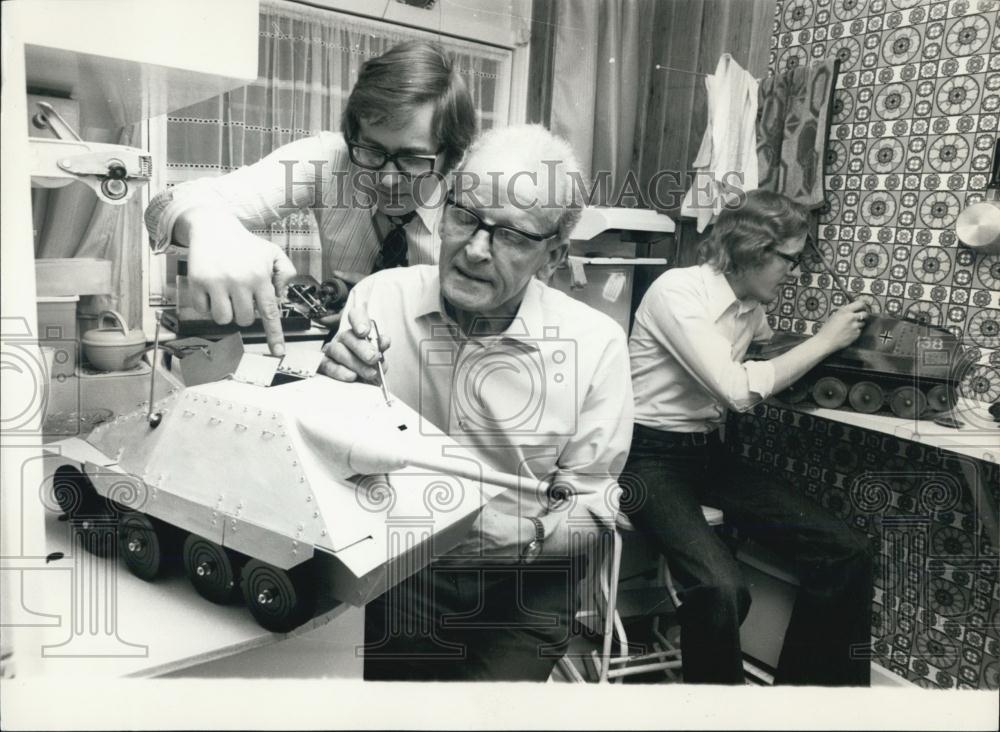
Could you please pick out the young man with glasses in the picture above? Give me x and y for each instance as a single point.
(529, 381)
(374, 189)
(691, 333)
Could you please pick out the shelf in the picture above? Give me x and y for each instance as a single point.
(979, 436)
(150, 628)
(597, 219)
(138, 59)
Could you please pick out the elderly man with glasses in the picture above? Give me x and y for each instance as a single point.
(529, 381)
(374, 189)
(691, 333)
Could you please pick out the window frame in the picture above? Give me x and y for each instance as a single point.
(513, 97)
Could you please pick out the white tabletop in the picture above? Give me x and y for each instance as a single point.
(978, 437)
(122, 626)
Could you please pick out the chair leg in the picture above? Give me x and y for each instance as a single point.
(609, 586)
(666, 655)
(668, 581)
(569, 670)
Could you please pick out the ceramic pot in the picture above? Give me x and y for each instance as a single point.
(113, 347)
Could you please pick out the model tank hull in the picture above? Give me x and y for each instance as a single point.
(253, 492)
(901, 366)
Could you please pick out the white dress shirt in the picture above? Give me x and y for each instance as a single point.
(548, 399)
(687, 347)
(321, 177)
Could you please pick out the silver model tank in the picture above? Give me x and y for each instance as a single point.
(249, 488)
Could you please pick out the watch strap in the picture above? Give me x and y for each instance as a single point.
(539, 528)
(534, 547)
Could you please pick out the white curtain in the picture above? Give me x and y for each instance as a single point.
(70, 221)
(595, 85)
(309, 60)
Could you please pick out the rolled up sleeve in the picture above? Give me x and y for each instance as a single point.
(679, 321)
(297, 175)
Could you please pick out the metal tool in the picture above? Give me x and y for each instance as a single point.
(318, 299)
(373, 336)
(829, 269)
(304, 294)
(154, 419)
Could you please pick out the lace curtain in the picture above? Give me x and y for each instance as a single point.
(308, 62)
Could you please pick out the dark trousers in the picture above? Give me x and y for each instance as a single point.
(479, 623)
(667, 479)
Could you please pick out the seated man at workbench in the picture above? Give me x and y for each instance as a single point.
(691, 332)
(531, 381)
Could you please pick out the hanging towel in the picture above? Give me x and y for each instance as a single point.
(727, 158)
(792, 126)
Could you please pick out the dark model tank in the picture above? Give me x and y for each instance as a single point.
(901, 364)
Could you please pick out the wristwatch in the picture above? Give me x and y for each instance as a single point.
(534, 547)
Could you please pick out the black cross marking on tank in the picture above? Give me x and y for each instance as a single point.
(886, 336)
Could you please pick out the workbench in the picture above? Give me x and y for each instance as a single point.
(92, 618)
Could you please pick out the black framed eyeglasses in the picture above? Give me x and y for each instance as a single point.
(793, 259)
(374, 158)
(466, 223)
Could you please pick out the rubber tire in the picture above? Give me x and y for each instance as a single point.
(75, 494)
(222, 585)
(795, 393)
(898, 402)
(294, 600)
(941, 398)
(829, 392)
(159, 540)
(866, 397)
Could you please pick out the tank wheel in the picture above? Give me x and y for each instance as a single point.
(795, 393)
(866, 397)
(279, 600)
(75, 495)
(907, 402)
(941, 398)
(829, 392)
(212, 569)
(145, 544)
(92, 519)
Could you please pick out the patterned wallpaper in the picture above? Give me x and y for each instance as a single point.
(916, 118)
(914, 124)
(936, 611)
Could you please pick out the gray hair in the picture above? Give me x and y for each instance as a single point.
(548, 159)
